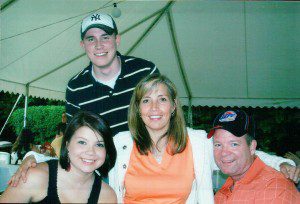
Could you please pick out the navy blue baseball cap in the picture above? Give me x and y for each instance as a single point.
(236, 122)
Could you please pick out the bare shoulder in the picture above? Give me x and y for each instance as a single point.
(40, 172)
(34, 189)
(107, 194)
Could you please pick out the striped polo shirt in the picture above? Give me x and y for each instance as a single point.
(84, 92)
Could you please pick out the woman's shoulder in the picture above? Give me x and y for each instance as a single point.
(123, 137)
(107, 194)
(192, 133)
(39, 174)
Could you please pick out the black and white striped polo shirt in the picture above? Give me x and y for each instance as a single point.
(84, 92)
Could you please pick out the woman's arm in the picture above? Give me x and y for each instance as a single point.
(34, 189)
(107, 195)
(30, 160)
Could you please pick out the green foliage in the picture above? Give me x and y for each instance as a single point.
(42, 120)
(277, 130)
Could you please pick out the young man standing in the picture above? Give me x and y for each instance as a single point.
(106, 85)
(250, 179)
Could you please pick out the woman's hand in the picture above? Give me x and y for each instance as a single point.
(295, 158)
(27, 163)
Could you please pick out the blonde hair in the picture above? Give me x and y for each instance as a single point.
(176, 133)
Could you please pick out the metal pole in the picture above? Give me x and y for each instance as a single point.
(10, 113)
(26, 105)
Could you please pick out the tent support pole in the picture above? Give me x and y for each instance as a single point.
(17, 101)
(181, 67)
(26, 105)
(6, 4)
(190, 114)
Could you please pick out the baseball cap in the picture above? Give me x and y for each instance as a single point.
(99, 20)
(236, 122)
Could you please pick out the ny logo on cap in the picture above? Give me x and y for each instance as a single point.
(95, 17)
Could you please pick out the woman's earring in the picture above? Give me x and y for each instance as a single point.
(69, 167)
(173, 113)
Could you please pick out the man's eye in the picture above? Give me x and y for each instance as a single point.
(90, 39)
(234, 144)
(105, 38)
(217, 145)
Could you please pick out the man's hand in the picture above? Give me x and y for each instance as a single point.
(290, 172)
(27, 163)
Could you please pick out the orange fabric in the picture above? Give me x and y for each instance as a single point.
(262, 185)
(147, 181)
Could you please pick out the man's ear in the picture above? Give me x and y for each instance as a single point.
(253, 147)
(118, 39)
(81, 44)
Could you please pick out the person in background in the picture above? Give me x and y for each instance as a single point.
(250, 179)
(61, 127)
(87, 153)
(160, 160)
(105, 86)
(23, 144)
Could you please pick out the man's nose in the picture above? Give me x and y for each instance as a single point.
(98, 44)
(225, 151)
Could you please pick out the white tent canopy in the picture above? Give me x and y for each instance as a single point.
(218, 53)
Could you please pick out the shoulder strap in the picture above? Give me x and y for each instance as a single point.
(52, 186)
(96, 189)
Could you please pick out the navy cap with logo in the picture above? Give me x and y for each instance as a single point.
(98, 20)
(236, 122)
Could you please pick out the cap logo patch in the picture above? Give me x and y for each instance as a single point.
(228, 116)
(95, 17)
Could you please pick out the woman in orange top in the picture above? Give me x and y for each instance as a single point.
(160, 160)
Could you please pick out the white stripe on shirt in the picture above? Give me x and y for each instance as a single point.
(96, 99)
(80, 88)
(112, 110)
(133, 73)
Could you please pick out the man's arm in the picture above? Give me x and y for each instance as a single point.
(278, 191)
(285, 166)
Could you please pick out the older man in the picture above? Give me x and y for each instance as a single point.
(250, 180)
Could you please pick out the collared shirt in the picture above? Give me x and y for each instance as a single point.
(261, 184)
(84, 92)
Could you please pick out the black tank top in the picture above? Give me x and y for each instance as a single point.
(52, 196)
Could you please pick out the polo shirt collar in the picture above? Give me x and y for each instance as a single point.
(256, 167)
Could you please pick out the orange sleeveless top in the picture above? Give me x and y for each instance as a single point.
(147, 181)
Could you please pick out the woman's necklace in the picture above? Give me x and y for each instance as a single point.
(157, 155)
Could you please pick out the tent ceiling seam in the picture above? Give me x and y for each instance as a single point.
(146, 32)
(45, 26)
